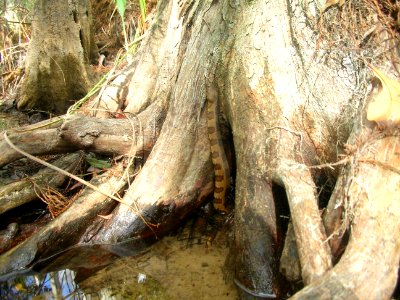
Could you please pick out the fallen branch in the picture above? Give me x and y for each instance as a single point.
(73, 223)
(23, 191)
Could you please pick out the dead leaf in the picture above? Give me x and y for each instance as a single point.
(386, 104)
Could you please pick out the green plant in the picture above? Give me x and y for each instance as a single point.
(142, 5)
(121, 6)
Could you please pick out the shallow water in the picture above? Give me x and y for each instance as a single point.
(171, 269)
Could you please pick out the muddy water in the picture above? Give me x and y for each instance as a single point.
(171, 270)
(174, 268)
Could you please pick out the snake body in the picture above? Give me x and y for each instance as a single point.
(221, 166)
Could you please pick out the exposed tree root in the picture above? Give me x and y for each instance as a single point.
(314, 253)
(40, 142)
(369, 265)
(66, 230)
(107, 136)
(285, 116)
(23, 191)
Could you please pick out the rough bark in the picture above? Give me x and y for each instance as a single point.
(366, 271)
(62, 42)
(23, 191)
(178, 173)
(269, 107)
(108, 136)
(277, 96)
(66, 230)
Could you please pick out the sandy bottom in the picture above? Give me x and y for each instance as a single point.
(172, 269)
(182, 266)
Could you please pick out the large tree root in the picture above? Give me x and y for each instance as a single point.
(106, 136)
(368, 268)
(153, 205)
(278, 114)
(40, 142)
(176, 178)
(17, 193)
(314, 253)
(66, 230)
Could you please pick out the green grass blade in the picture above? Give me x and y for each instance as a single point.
(121, 5)
(142, 4)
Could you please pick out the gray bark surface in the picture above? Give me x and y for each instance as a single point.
(24, 191)
(62, 42)
(289, 109)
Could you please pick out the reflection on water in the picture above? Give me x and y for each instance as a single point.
(55, 285)
(172, 269)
